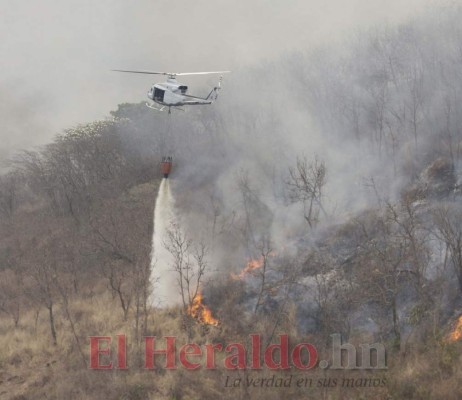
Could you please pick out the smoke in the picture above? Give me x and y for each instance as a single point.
(293, 92)
(64, 52)
(162, 274)
(23, 122)
(349, 105)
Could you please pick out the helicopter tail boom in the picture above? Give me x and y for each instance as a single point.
(212, 96)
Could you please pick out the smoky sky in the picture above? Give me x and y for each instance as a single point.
(56, 56)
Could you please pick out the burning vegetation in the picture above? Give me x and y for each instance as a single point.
(456, 333)
(251, 266)
(368, 258)
(200, 312)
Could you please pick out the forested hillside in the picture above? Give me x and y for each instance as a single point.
(320, 194)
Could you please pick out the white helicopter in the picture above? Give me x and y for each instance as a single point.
(173, 94)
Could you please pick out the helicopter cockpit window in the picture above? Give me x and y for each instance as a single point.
(159, 94)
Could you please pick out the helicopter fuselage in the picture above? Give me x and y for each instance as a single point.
(174, 94)
(169, 93)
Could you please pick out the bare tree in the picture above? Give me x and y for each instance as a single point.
(43, 289)
(256, 216)
(9, 193)
(189, 263)
(306, 183)
(11, 297)
(124, 248)
(265, 250)
(448, 229)
(380, 265)
(409, 229)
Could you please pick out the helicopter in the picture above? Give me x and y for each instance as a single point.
(174, 94)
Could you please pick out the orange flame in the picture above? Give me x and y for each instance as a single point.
(456, 333)
(201, 312)
(251, 266)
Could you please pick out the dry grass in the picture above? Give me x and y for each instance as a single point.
(32, 368)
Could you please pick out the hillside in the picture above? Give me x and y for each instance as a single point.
(320, 195)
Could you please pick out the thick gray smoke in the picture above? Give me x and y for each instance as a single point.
(61, 53)
(369, 109)
(291, 94)
(24, 122)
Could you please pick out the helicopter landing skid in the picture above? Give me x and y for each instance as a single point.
(164, 107)
(155, 108)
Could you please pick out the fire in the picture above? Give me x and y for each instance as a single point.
(201, 312)
(251, 266)
(456, 333)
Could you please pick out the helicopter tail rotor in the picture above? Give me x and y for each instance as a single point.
(214, 93)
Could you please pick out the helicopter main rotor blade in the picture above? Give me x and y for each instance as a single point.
(201, 73)
(143, 72)
(170, 73)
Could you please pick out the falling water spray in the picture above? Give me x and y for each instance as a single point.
(162, 274)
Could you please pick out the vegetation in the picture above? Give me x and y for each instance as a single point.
(363, 238)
